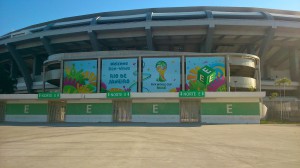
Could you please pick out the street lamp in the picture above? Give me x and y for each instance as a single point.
(235, 85)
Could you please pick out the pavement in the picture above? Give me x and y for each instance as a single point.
(36, 145)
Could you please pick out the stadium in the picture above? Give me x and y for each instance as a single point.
(183, 64)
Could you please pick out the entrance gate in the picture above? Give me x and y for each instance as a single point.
(56, 111)
(189, 111)
(122, 111)
(2, 111)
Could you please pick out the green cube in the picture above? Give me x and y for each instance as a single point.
(206, 75)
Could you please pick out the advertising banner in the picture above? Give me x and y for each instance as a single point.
(161, 74)
(205, 74)
(119, 75)
(80, 76)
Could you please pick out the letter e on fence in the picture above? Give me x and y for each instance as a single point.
(26, 109)
(89, 108)
(229, 108)
(155, 108)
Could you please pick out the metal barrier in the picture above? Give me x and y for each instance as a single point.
(283, 110)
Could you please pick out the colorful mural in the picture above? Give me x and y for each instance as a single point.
(119, 75)
(205, 74)
(80, 76)
(161, 74)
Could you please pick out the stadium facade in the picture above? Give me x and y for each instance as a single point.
(188, 64)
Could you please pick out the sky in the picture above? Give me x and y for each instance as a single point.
(17, 14)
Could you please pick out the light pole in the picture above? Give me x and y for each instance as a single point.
(235, 85)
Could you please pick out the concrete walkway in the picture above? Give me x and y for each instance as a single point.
(148, 145)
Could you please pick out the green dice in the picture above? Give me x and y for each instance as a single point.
(206, 75)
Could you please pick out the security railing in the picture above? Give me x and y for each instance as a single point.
(283, 110)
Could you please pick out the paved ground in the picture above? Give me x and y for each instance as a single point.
(153, 146)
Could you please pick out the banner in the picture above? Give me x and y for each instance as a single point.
(161, 74)
(205, 74)
(80, 76)
(118, 75)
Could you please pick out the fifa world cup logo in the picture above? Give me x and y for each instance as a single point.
(161, 67)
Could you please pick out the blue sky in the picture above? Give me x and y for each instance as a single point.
(16, 14)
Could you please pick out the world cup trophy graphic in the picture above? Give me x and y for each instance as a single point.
(161, 67)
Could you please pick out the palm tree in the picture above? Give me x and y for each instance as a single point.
(283, 81)
(279, 82)
(273, 95)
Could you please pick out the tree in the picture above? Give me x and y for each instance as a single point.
(279, 82)
(273, 95)
(7, 84)
(283, 81)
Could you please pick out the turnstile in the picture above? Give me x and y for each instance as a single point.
(56, 111)
(189, 111)
(122, 111)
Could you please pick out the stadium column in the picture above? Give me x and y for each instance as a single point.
(266, 69)
(37, 65)
(21, 65)
(13, 69)
(294, 59)
(148, 30)
(93, 40)
(265, 45)
(93, 36)
(47, 44)
(209, 34)
(263, 49)
(279, 56)
(294, 55)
